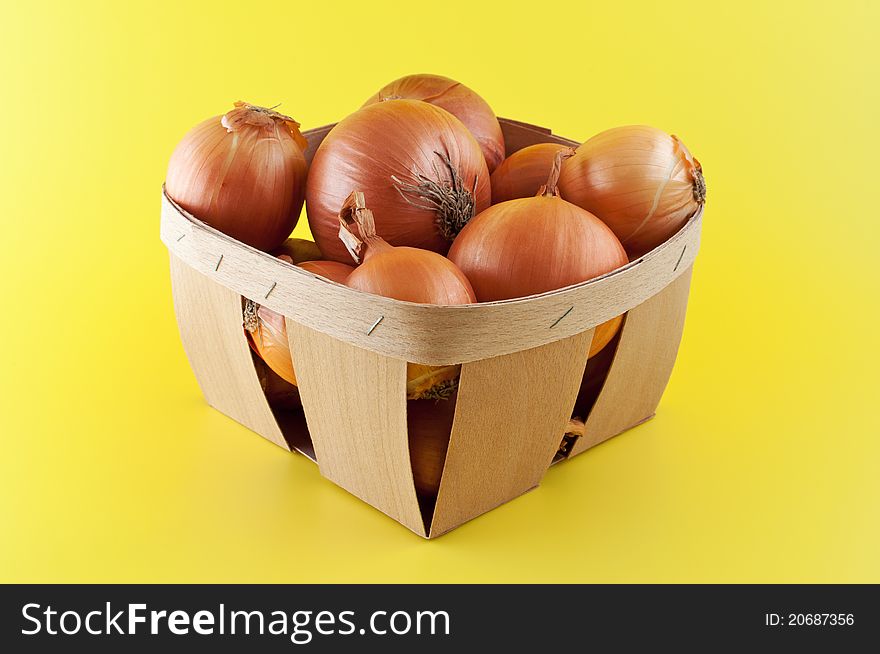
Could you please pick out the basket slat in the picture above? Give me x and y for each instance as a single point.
(519, 135)
(210, 323)
(509, 420)
(355, 406)
(642, 366)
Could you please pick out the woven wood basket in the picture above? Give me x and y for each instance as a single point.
(523, 362)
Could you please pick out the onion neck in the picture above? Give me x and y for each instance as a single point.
(354, 212)
(699, 188)
(266, 118)
(699, 183)
(551, 188)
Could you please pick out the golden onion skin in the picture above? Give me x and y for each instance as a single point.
(524, 172)
(395, 140)
(534, 245)
(243, 173)
(642, 182)
(457, 99)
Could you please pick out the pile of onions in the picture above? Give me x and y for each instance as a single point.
(457, 99)
(533, 245)
(429, 424)
(407, 274)
(642, 182)
(416, 161)
(267, 330)
(243, 173)
(524, 172)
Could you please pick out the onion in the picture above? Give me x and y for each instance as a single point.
(457, 99)
(603, 334)
(267, 330)
(407, 274)
(533, 245)
(429, 424)
(415, 160)
(524, 172)
(402, 273)
(642, 182)
(332, 270)
(243, 173)
(297, 250)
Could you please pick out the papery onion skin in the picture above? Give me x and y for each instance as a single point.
(639, 180)
(524, 172)
(243, 173)
(270, 341)
(456, 98)
(533, 245)
(387, 140)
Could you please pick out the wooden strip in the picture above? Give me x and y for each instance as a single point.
(509, 420)
(642, 365)
(518, 135)
(428, 334)
(210, 323)
(355, 405)
(314, 137)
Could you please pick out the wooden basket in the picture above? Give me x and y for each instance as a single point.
(523, 361)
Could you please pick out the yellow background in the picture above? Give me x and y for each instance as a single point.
(763, 463)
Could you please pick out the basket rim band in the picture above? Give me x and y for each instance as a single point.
(427, 334)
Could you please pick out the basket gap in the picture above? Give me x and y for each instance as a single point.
(429, 428)
(284, 401)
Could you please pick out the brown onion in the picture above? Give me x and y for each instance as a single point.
(416, 161)
(243, 173)
(642, 182)
(429, 424)
(524, 172)
(408, 274)
(603, 333)
(402, 273)
(268, 331)
(457, 99)
(533, 245)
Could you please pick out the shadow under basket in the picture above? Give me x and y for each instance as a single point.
(522, 362)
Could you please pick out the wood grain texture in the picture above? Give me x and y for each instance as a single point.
(421, 333)
(510, 417)
(314, 137)
(210, 323)
(355, 405)
(642, 365)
